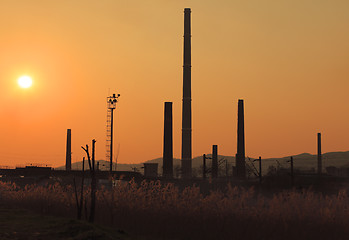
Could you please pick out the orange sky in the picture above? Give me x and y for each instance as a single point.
(287, 59)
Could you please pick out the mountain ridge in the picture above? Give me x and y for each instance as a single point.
(302, 160)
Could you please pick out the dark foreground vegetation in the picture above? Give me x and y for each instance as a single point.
(151, 210)
(24, 224)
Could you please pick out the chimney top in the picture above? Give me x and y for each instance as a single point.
(187, 10)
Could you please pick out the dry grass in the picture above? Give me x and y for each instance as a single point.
(24, 224)
(153, 210)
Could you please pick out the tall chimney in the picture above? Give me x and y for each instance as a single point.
(168, 142)
(319, 157)
(186, 107)
(214, 161)
(68, 151)
(240, 155)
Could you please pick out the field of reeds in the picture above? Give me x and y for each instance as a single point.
(19, 224)
(155, 211)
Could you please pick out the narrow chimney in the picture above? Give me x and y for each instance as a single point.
(186, 107)
(214, 161)
(68, 151)
(319, 157)
(168, 142)
(240, 156)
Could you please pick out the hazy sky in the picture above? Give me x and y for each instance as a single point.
(288, 59)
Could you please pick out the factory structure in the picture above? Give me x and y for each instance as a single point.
(186, 160)
(151, 170)
(186, 155)
(239, 171)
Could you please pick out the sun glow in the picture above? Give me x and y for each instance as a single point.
(25, 81)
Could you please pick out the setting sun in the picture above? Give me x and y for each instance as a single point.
(25, 82)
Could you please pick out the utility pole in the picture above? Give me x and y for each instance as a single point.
(204, 166)
(292, 173)
(214, 169)
(204, 171)
(260, 168)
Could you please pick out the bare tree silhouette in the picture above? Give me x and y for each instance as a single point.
(79, 203)
(91, 163)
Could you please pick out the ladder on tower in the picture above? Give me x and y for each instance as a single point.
(108, 142)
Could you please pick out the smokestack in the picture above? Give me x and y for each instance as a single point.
(168, 142)
(214, 161)
(186, 107)
(240, 156)
(319, 157)
(68, 151)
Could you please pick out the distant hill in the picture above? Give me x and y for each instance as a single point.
(301, 161)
